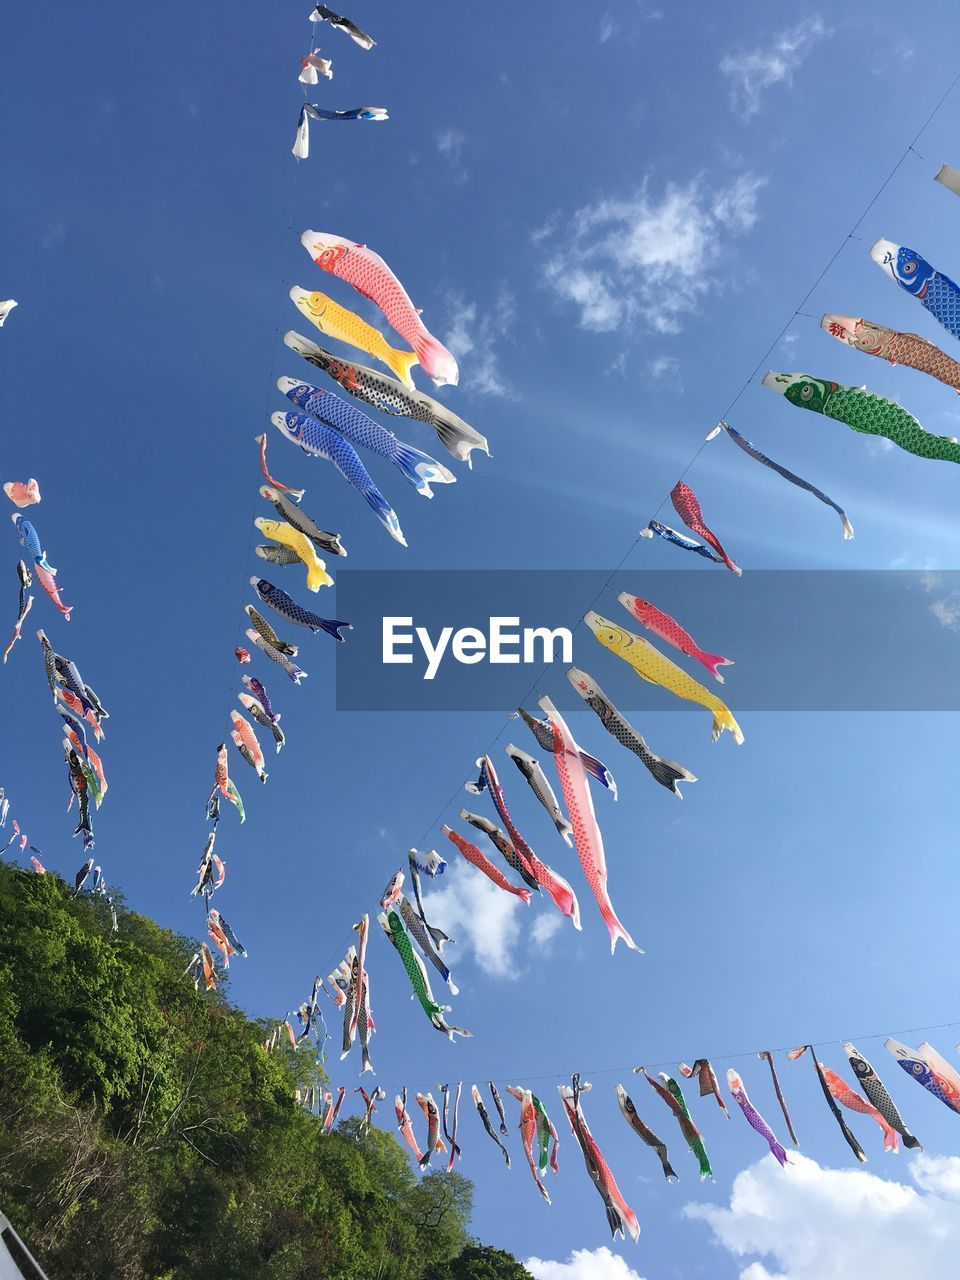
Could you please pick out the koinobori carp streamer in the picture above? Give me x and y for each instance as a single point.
(890, 344)
(588, 838)
(752, 451)
(687, 506)
(392, 397)
(343, 325)
(875, 1091)
(937, 292)
(359, 266)
(620, 1217)
(632, 1118)
(418, 468)
(668, 629)
(652, 666)
(864, 411)
(322, 441)
(558, 889)
(667, 772)
(753, 1117)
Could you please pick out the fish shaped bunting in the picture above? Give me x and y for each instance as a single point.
(668, 629)
(343, 325)
(652, 666)
(485, 1121)
(358, 265)
(543, 732)
(667, 772)
(766, 1056)
(752, 451)
(558, 889)
(914, 274)
(587, 836)
(678, 540)
(670, 1093)
(418, 468)
(889, 344)
(687, 506)
(389, 396)
(322, 441)
(753, 1117)
(849, 1137)
(647, 1135)
(321, 13)
(620, 1217)
(863, 411)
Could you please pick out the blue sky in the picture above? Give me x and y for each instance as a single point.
(609, 216)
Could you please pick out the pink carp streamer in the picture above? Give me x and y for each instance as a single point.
(586, 829)
(687, 507)
(853, 1102)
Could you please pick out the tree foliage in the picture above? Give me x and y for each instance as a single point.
(144, 1132)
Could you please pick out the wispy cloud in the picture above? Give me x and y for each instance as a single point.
(945, 605)
(484, 920)
(473, 336)
(646, 258)
(491, 926)
(752, 72)
(450, 143)
(661, 366)
(805, 1222)
(545, 928)
(450, 147)
(584, 1264)
(608, 28)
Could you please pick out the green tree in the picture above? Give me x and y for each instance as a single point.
(146, 1135)
(480, 1262)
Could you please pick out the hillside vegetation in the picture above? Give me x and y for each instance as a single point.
(146, 1135)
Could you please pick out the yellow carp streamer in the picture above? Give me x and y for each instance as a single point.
(344, 326)
(287, 536)
(653, 667)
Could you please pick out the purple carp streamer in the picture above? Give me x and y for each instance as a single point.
(753, 452)
(753, 1117)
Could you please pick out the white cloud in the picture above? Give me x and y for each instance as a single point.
(810, 1223)
(450, 144)
(647, 258)
(660, 366)
(753, 71)
(608, 28)
(944, 607)
(484, 920)
(584, 1264)
(472, 337)
(545, 928)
